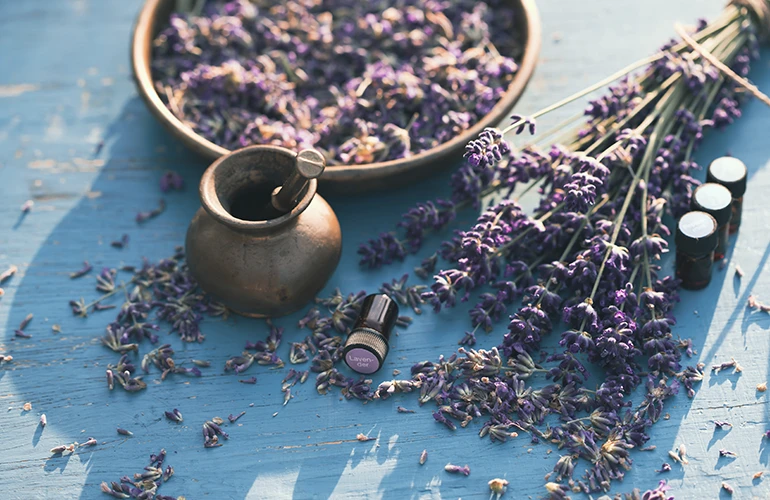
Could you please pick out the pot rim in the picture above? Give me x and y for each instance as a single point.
(213, 205)
(363, 177)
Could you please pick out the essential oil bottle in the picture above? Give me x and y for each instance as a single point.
(368, 341)
(731, 173)
(715, 200)
(696, 238)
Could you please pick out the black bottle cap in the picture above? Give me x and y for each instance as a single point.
(367, 344)
(729, 172)
(696, 233)
(715, 200)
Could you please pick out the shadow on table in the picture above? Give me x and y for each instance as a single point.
(64, 373)
(308, 449)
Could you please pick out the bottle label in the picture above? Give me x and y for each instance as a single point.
(362, 361)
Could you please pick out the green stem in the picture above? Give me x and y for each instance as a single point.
(731, 14)
(663, 113)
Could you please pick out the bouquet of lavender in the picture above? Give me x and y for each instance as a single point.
(587, 255)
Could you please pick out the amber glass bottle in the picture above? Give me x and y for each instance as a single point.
(696, 238)
(731, 173)
(715, 200)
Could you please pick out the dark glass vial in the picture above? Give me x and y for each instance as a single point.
(696, 238)
(732, 174)
(367, 344)
(715, 200)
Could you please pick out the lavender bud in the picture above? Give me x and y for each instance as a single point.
(456, 469)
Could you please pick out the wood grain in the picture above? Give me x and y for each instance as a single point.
(68, 89)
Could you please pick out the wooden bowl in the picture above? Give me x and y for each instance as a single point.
(339, 178)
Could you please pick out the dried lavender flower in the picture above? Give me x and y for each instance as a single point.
(738, 271)
(82, 271)
(202, 364)
(171, 181)
(151, 214)
(211, 433)
(57, 450)
(8, 273)
(174, 415)
(121, 243)
(456, 469)
(666, 467)
(674, 456)
(727, 453)
(498, 486)
(90, 442)
(423, 457)
(43, 420)
(683, 454)
(729, 489)
(391, 99)
(232, 418)
(401, 409)
(252, 380)
(364, 437)
(27, 319)
(727, 364)
(124, 432)
(27, 206)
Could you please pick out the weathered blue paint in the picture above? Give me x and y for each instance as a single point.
(65, 87)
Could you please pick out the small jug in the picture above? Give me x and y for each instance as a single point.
(263, 243)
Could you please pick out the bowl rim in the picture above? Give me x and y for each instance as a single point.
(141, 55)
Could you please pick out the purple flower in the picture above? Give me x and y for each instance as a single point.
(171, 181)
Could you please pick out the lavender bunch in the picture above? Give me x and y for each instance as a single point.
(415, 73)
(588, 257)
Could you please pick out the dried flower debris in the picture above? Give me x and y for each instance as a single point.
(142, 217)
(762, 387)
(211, 433)
(729, 489)
(498, 486)
(174, 415)
(143, 484)
(423, 457)
(121, 243)
(390, 98)
(737, 368)
(754, 303)
(738, 271)
(124, 432)
(456, 469)
(727, 453)
(8, 273)
(82, 271)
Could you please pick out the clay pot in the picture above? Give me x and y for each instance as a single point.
(255, 260)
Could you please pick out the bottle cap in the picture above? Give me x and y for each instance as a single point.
(729, 172)
(367, 344)
(715, 200)
(696, 233)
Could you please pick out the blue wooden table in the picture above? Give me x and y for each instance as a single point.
(65, 89)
